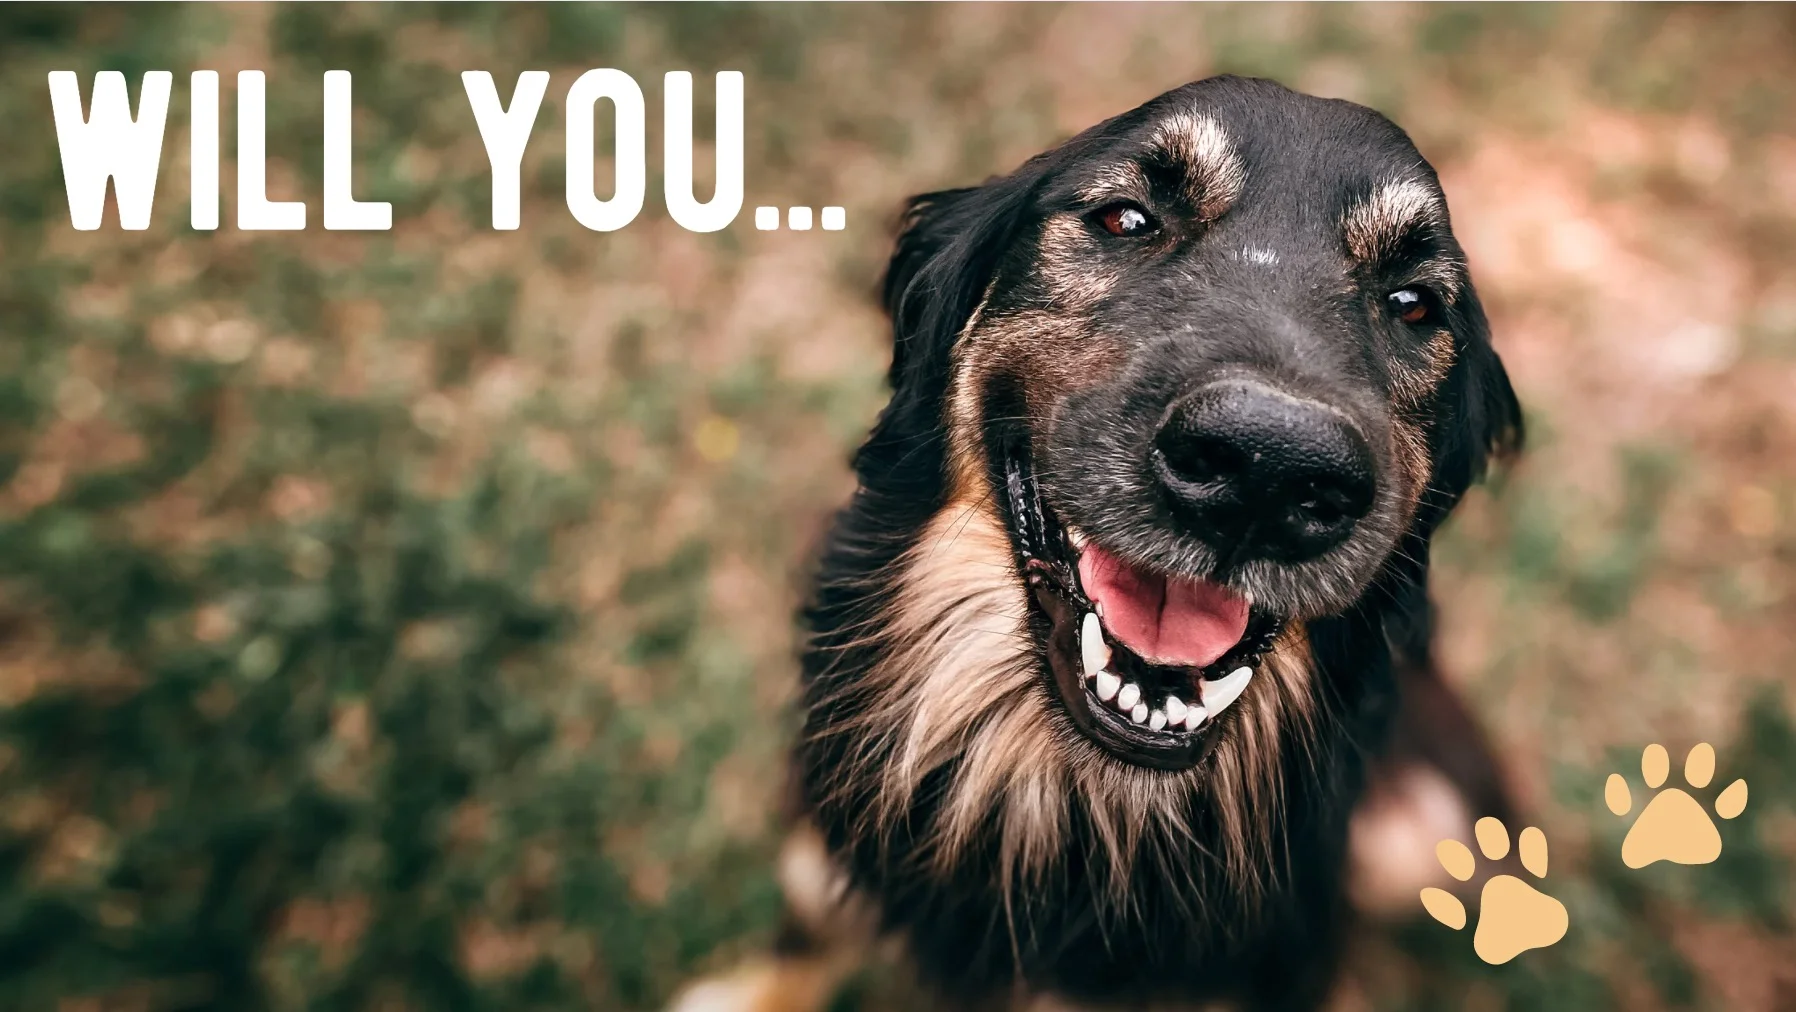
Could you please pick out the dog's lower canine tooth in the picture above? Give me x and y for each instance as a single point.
(1107, 685)
(1175, 711)
(1093, 651)
(1156, 720)
(1225, 690)
(1139, 714)
(1130, 695)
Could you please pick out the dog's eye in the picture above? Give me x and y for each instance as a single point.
(1126, 219)
(1409, 305)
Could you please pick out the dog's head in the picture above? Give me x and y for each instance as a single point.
(1210, 371)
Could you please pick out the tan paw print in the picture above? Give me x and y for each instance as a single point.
(1513, 916)
(1673, 827)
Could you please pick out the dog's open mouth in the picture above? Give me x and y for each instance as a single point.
(1145, 663)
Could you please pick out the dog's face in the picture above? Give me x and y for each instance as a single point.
(1206, 382)
(1173, 391)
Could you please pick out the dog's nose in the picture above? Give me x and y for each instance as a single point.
(1258, 474)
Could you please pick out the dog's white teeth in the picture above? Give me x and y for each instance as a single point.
(1195, 716)
(1175, 711)
(1129, 697)
(1107, 685)
(1093, 651)
(1225, 690)
(1139, 714)
(1156, 720)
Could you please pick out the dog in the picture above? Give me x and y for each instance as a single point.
(1129, 611)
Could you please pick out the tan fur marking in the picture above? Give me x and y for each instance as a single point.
(1284, 704)
(1375, 226)
(1057, 351)
(965, 456)
(961, 656)
(1412, 387)
(1214, 174)
(1065, 265)
(1415, 463)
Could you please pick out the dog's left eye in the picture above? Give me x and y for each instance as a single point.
(1409, 305)
(1126, 219)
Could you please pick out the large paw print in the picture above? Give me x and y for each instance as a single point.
(1513, 916)
(1673, 827)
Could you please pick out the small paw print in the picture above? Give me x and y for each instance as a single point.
(1513, 916)
(1673, 827)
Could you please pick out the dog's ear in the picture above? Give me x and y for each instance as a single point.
(947, 255)
(1480, 419)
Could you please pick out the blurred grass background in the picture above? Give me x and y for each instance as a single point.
(403, 621)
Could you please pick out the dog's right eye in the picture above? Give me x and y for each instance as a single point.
(1126, 218)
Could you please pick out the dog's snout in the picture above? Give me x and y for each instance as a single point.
(1258, 474)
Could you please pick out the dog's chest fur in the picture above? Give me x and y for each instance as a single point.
(1178, 927)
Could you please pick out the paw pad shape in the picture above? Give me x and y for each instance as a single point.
(1673, 827)
(1513, 916)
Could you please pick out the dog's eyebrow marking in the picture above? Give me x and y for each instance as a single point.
(1214, 174)
(1376, 226)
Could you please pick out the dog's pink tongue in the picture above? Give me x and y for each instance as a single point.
(1187, 623)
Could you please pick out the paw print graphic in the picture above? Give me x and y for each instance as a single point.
(1513, 916)
(1673, 826)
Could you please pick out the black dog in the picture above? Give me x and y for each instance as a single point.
(1118, 619)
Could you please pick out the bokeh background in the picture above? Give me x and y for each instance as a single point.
(403, 621)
